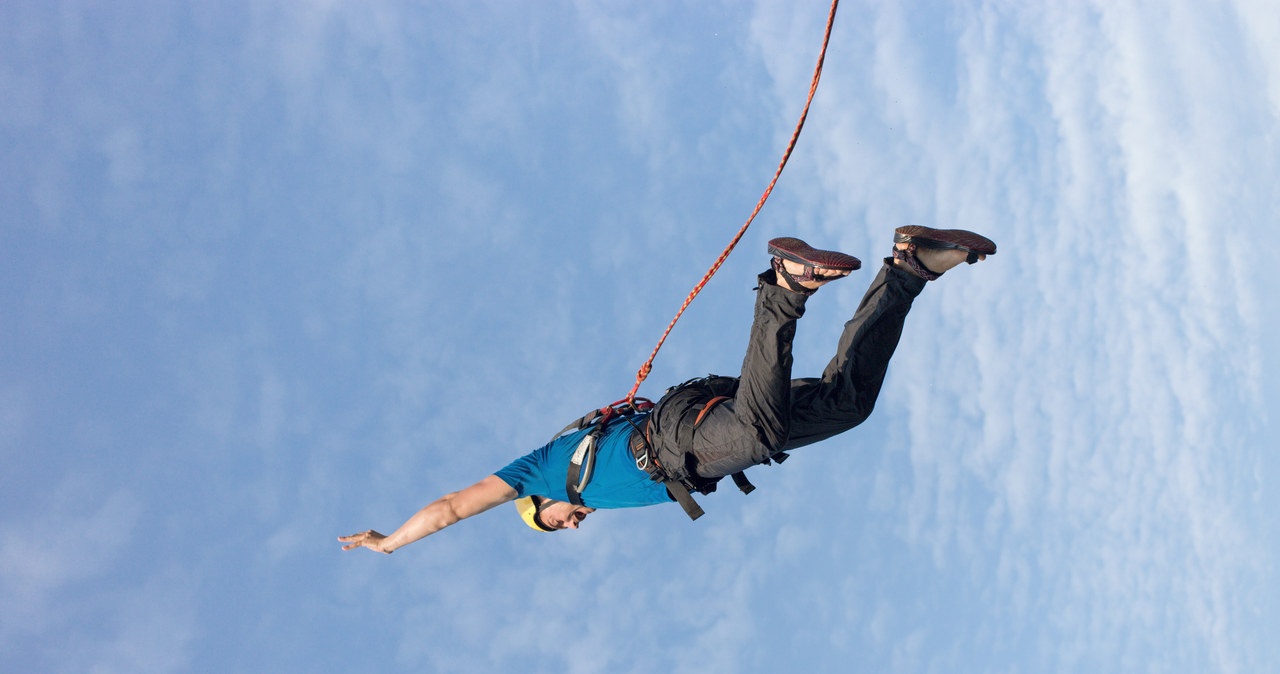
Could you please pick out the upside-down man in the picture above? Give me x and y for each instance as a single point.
(713, 427)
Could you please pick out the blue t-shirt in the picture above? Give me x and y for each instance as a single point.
(615, 480)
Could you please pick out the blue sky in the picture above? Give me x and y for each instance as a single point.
(277, 272)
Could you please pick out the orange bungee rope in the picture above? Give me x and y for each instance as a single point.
(813, 87)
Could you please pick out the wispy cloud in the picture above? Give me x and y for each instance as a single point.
(290, 269)
(76, 534)
(1103, 382)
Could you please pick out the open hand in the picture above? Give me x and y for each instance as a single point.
(366, 539)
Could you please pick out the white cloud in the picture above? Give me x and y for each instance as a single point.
(1063, 473)
(1105, 339)
(77, 534)
(150, 628)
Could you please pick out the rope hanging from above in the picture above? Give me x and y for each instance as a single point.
(645, 369)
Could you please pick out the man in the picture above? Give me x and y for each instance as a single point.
(700, 433)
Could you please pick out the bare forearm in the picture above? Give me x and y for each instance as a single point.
(442, 512)
(436, 516)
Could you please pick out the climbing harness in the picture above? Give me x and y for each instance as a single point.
(583, 460)
(661, 452)
(666, 462)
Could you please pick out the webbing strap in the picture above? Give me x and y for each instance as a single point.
(707, 408)
(681, 495)
(580, 466)
(583, 459)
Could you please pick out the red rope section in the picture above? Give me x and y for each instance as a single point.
(813, 87)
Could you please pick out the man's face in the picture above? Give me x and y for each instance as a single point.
(562, 515)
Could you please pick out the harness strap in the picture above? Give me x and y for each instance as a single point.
(681, 495)
(581, 465)
(739, 478)
(647, 461)
(584, 455)
(583, 459)
(707, 408)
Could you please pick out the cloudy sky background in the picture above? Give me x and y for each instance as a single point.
(279, 271)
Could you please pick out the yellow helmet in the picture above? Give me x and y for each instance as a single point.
(529, 507)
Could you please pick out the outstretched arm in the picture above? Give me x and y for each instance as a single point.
(446, 510)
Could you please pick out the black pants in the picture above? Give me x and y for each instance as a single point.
(771, 412)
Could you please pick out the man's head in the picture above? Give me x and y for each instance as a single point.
(545, 514)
